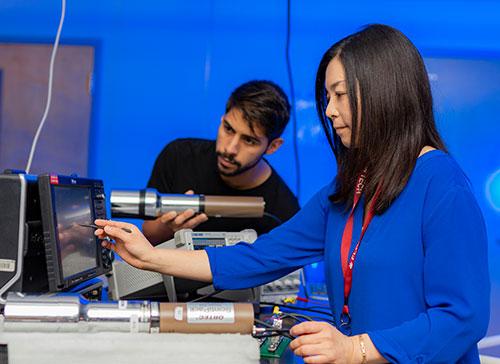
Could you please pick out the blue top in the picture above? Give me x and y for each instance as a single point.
(420, 281)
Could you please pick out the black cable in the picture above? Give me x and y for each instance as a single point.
(292, 97)
(284, 333)
(275, 331)
(298, 317)
(206, 296)
(274, 217)
(263, 323)
(272, 331)
(260, 336)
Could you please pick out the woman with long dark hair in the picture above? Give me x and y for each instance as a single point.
(401, 235)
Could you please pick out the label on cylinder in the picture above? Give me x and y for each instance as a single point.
(178, 313)
(210, 313)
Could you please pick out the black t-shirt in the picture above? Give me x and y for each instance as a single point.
(191, 164)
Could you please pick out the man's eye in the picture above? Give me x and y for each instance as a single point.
(339, 94)
(228, 128)
(250, 142)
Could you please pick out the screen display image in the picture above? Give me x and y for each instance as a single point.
(77, 244)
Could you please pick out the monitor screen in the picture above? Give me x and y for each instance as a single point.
(77, 244)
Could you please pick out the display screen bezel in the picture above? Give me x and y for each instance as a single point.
(57, 280)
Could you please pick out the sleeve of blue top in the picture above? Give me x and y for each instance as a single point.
(297, 242)
(456, 286)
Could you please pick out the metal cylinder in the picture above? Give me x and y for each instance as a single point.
(27, 313)
(67, 314)
(137, 203)
(149, 204)
(120, 316)
(179, 203)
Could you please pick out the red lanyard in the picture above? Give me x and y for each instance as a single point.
(348, 263)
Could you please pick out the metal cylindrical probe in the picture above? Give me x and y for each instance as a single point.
(67, 314)
(149, 204)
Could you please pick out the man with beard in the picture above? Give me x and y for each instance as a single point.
(256, 114)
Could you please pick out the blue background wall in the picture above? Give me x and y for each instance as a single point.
(164, 69)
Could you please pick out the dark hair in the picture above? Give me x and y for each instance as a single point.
(263, 103)
(385, 69)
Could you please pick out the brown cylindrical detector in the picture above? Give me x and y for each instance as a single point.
(233, 206)
(206, 318)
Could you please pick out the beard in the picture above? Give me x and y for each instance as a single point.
(239, 167)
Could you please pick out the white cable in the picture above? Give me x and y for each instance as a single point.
(49, 94)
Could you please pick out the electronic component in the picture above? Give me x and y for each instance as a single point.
(274, 346)
(149, 204)
(42, 246)
(275, 340)
(128, 282)
(196, 240)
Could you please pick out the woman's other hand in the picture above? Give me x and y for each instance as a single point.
(320, 342)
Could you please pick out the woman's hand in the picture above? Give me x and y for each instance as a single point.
(132, 246)
(319, 342)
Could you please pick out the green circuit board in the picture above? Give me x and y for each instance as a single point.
(274, 347)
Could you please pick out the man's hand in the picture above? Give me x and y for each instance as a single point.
(184, 220)
(164, 227)
(319, 342)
